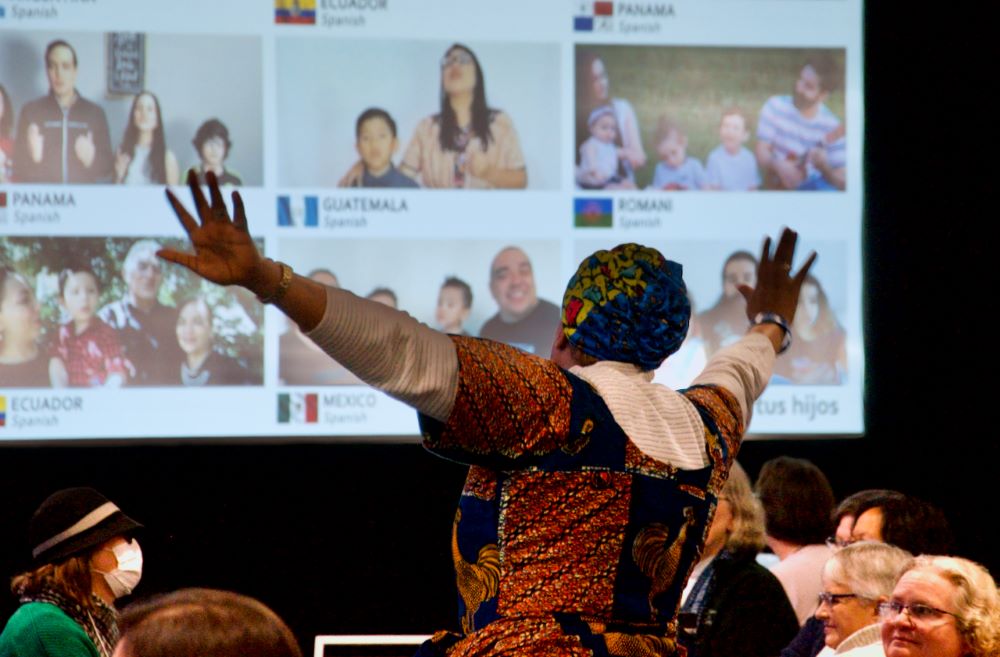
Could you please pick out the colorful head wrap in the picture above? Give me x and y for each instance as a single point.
(628, 304)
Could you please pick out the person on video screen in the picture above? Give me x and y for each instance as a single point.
(301, 362)
(675, 171)
(593, 90)
(23, 364)
(145, 326)
(522, 320)
(203, 364)
(375, 132)
(384, 296)
(86, 352)
(800, 142)
(818, 354)
(6, 142)
(726, 321)
(600, 167)
(453, 306)
(467, 144)
(731, 167)
(62, 137)
(143, 157)
(212, 143)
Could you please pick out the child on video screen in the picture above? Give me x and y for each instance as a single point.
(731, 166)
(453, 306)
(599, 162)
(376, 144)
(211, 142)
(86, 351)
(675, 171)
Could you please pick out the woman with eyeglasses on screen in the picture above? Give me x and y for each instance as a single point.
(942, 607)
(855, 580)
(466, 144)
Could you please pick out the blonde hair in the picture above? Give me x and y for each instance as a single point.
(867, 568)
(748, 515)
(977, 601)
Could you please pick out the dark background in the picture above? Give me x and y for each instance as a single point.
(354, 539)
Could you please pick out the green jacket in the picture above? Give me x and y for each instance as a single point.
(40, 629)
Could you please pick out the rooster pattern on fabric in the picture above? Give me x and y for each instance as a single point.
(568, 540)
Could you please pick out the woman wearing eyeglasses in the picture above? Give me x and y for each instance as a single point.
(467, 144)
(942, 607)
(855, 580)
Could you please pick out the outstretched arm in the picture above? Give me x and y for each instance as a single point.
(384, 347)
(745, 367)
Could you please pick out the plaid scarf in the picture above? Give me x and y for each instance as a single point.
(101, 627)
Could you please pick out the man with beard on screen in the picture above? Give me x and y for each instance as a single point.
(800, 142)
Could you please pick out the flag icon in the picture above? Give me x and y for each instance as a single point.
(3, 199)
(593, 212)
(295, 12)
(298, 408)
(285, 211)
(309, 211)
(596, 16)
(3, 411)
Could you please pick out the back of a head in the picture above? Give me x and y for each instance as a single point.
(914, 525)
(204, 623)
(747, 532)
(854, 504)
(797, 500)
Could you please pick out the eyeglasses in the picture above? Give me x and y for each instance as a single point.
(835, 543)
(834, 599)
(457, 57)
(890, 611)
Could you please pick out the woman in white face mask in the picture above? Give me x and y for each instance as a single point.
(84, 558)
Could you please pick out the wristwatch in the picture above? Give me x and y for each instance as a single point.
(778, 320)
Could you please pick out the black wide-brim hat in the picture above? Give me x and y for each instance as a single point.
(72, 521)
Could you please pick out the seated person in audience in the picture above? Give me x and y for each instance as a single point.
(86, 351)
(855, 580)
(715, 619)
(453, 306)
(203, 623)
(375, 132)
(905, 521)
(917, 532)
(797, 500)
(847, 512)
(952, 610)
(212, 143)
(675, 171)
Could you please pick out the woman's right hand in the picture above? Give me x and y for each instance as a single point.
(777, 288)
(353, 176)
(224, 252)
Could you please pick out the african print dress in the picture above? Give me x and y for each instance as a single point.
(568, 540)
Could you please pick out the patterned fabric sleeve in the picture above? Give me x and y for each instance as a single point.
(509, 405)
(723, 418)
